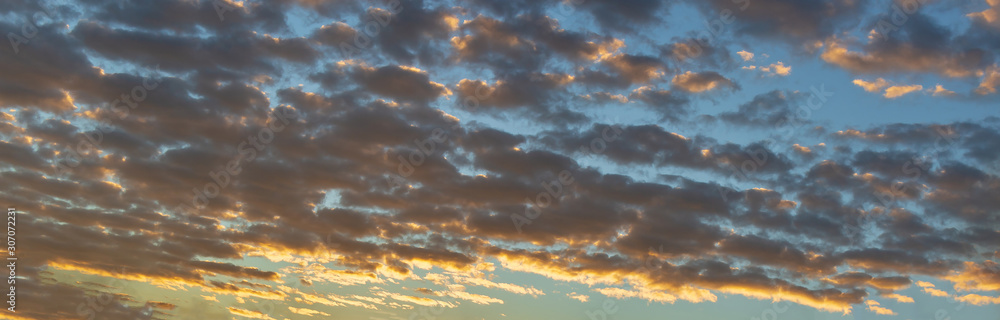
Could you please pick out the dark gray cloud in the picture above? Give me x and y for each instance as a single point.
(774, 109)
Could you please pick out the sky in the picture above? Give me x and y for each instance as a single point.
(501, 159)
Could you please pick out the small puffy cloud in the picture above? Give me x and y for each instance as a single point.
(649, 295)
(891, 91)
(800, 149)
(509, 287)
(940, 91)
(778, 68)
(898, 91)
(872, 86)
(747, 56)
(898, 297)
(580, 297)
(701, 81)
(458, 292)
(935, 292)
(978, 300)
(990, 82)
(876, 308)
(307, 312)
(249, 313)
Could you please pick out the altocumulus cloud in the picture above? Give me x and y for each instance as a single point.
(653, 169)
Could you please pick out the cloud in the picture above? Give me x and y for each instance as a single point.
(929, 288)
(400, 181)
(771, 110)
(528, 93)
(527, 42)
(579, 297)
(249, 313)
(187, 16)
(613, 14)
(895, 91)
(990, 16)
(921, 46)
(335, 34)
(577, 46)
(256, 52)
(978, 300)
(307, 312)
(885, 284)
(645, 295)
(873, 86)
(899, 298)
(778, 68)
(509, 287)
(636, 69)
(991, 80)
(474, 297)
(875, 307)
(409, 28)
(701, 81)
(983, 276)
(400, 82)
(898, 91)
(669, 104)
(698, 52)
(940, 91)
